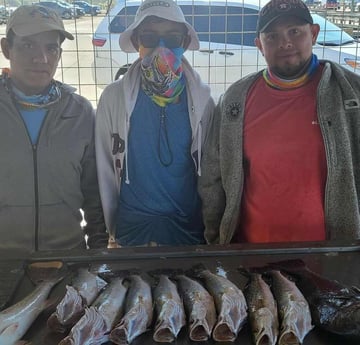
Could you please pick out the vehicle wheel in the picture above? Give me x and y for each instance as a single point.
(122, 70)
(67, 15)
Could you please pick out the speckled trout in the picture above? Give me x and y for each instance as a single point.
(17, 319)
(85, 287)
(262, 310)
(199, 306)
(294, 311)
(230, 305)
(138, 312)
(169, 309)
(94, 326)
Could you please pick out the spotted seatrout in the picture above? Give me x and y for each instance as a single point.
(138, 312)
(294, 311)
(81, 293)
(169, 309)
(230, 304)
(199, 306)
(94, 326)
(262, 311)
(16, 320)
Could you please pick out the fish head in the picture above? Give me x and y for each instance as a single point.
(9, 334)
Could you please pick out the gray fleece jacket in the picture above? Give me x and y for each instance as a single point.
(338, 110)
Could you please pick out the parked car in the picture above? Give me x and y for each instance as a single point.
(63, 11)
(78, 11)
(93, 10)
(227, 51)
(4, 14)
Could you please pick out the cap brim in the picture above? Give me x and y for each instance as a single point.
(26, 31)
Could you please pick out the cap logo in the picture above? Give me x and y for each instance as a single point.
(154, 4)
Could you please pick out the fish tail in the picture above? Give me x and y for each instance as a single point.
(200, 330)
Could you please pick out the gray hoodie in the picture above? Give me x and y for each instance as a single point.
(338, 110)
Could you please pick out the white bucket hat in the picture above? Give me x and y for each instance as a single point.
(166, 9)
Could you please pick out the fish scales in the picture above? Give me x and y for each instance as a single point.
(199, 306)
(170, 311)
(262, 311)
(16, 320)
(138, 312)
(230, 304)
(94, 326)
(81, 293)
(294, 310)
(334, 306)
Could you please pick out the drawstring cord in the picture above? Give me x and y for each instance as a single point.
(163, 126)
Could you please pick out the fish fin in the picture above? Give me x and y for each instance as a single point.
(196, 270)
(46, 271)
(291, 265)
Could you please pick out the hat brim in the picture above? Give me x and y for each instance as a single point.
(127, 46)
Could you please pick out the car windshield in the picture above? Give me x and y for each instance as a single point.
(330, 34)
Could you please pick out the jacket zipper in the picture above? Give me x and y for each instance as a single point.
(36, 197)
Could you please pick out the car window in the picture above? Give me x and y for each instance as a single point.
(330, 34)
(218, 24)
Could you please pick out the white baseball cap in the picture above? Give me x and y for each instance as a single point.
(165, 9)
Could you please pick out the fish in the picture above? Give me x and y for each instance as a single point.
(230, 304)
(138, 312)
(170, 311)
(294, 310)
(334, 307)
(262, 310)
(17, 319)
(199, 306)
(94, 326)
(81, 293)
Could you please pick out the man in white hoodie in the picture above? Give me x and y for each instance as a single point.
(150, 129)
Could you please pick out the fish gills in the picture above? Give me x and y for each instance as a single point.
(170, 311)
(16, 320)
(199, 306)
(230, 304)
(83, 291)
(94, 326)
(262, 311)
(294, 311)
(138, 312)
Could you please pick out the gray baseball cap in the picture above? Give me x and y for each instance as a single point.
(29, 20)
(165, 9)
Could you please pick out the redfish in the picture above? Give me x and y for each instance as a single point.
(334, 307)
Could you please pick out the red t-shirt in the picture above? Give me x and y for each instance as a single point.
(285, 166)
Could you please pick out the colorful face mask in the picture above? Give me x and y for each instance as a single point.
(162, 74)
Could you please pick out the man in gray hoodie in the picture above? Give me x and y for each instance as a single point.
(47, 161)
(282, 159)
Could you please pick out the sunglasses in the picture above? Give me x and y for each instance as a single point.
(170, 41)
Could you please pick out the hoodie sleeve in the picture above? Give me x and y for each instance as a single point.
(108, 184)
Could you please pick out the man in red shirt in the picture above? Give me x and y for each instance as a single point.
(282, 163)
